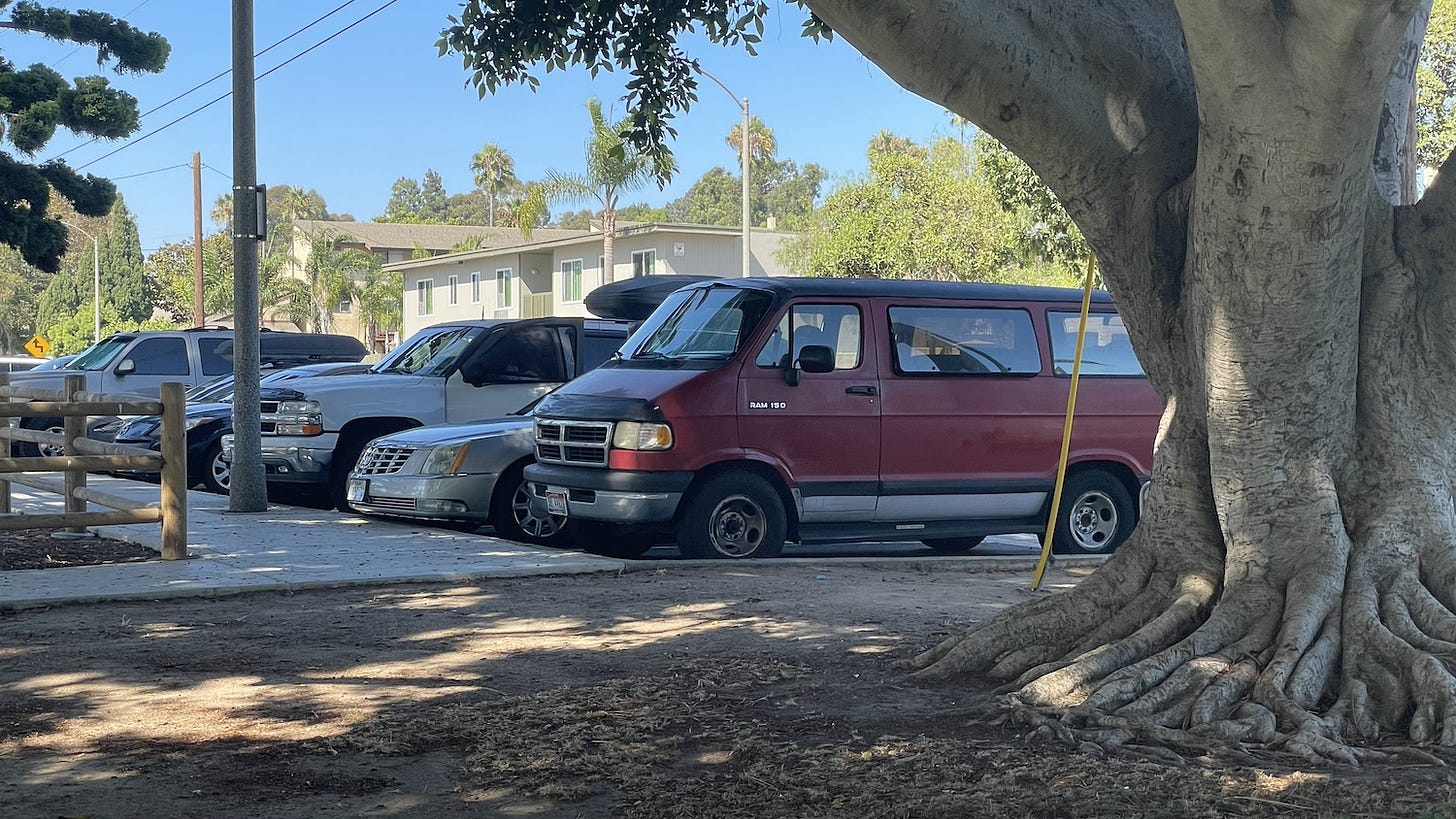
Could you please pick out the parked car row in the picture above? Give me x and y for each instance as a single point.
(743, 413)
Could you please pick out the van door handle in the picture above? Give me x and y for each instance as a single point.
(861, 390)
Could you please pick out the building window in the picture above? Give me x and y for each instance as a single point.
(571, 280)
(346, 303)
(452, 294)
(503, 287)
(425, 297)
(475, 288)
(644, 262)
(602, 268)
(382, 256)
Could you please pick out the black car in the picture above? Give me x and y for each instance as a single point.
(206, 423)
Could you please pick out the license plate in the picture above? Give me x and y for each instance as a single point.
(357, 489)
(556, 501)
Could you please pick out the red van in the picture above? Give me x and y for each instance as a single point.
(747, 412)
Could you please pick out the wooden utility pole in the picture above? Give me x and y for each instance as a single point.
(199, 313)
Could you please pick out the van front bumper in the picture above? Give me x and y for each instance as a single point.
(609, 495)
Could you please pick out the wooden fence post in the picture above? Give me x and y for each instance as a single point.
(174, 472)
(4, 484)
(75, 427)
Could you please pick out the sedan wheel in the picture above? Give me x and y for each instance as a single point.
(217, 474)
(515, 517)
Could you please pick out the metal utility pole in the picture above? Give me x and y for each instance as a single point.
(744, 161)
(199, 313)
(248, 491)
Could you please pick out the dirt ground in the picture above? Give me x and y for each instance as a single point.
(767, 690)
(40, 549)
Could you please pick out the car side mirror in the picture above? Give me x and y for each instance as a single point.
(813, 358)
(126, 367)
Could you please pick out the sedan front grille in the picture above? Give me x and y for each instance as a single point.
(383, 459)
(577, 443)
(397, 504)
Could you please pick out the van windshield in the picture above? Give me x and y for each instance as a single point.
(429, 352)
(100, 354)
(710, 323)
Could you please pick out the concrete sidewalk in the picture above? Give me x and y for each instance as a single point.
(284, 548)
(289, 547)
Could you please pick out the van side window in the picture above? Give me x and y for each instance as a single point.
(1106, 350)
(214, 362)
(159, 356)
(836, 326)
(964, 341)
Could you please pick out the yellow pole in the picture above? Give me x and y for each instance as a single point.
(1046, 539)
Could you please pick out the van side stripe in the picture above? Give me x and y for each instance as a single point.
(859, 488)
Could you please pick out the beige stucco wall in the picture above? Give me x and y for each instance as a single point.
(678, 252)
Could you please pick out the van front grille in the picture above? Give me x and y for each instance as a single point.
(575, 443)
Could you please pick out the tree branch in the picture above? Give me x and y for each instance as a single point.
(1096, 98)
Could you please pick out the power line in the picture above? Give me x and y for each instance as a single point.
(147, 173)
(224, 174)
(228, 94)
(215, 77)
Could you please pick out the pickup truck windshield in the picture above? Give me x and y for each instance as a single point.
(430, 352)
(98, 355)
(705, 323)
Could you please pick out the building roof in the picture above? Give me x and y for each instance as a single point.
(543, 239)
(405, 236)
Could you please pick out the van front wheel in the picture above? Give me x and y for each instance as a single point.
(1096, 515)
(732, 515)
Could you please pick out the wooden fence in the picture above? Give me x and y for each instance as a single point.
(82, 455)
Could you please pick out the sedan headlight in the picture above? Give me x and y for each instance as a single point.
(638, 435)
(197, 422)
(444, 460)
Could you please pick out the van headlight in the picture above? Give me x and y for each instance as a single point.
(444, 460)
(299, 418)
(641, 436)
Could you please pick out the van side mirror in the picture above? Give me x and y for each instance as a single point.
(126, 367)
(814, 358)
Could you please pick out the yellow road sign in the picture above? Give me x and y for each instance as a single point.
(38, 346)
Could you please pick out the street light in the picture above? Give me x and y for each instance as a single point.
(743, 158)
(95, 274)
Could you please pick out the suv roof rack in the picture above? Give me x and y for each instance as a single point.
(215, 327)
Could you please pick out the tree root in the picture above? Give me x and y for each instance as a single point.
(1311, 672)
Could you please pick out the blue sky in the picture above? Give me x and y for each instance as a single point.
(377, 103)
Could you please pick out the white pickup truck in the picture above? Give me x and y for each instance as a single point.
(314, 429)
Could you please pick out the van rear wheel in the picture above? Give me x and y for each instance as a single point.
(732, 515)
(1096, 514)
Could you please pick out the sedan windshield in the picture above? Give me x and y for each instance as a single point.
(430, 352)
(98, 355)
(705, 323)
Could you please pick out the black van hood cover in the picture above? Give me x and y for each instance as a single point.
(598, 408)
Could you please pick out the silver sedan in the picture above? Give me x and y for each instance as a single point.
(460, 475)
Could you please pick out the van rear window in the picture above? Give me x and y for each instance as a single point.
(1106, 350)
(964, 341)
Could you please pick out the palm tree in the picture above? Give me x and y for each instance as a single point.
(614, 166)
(381, 308)
(329, 274)
(495, 173)
(761, 142)
(222, 212)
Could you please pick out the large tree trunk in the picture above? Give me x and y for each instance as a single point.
(1293, 583)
